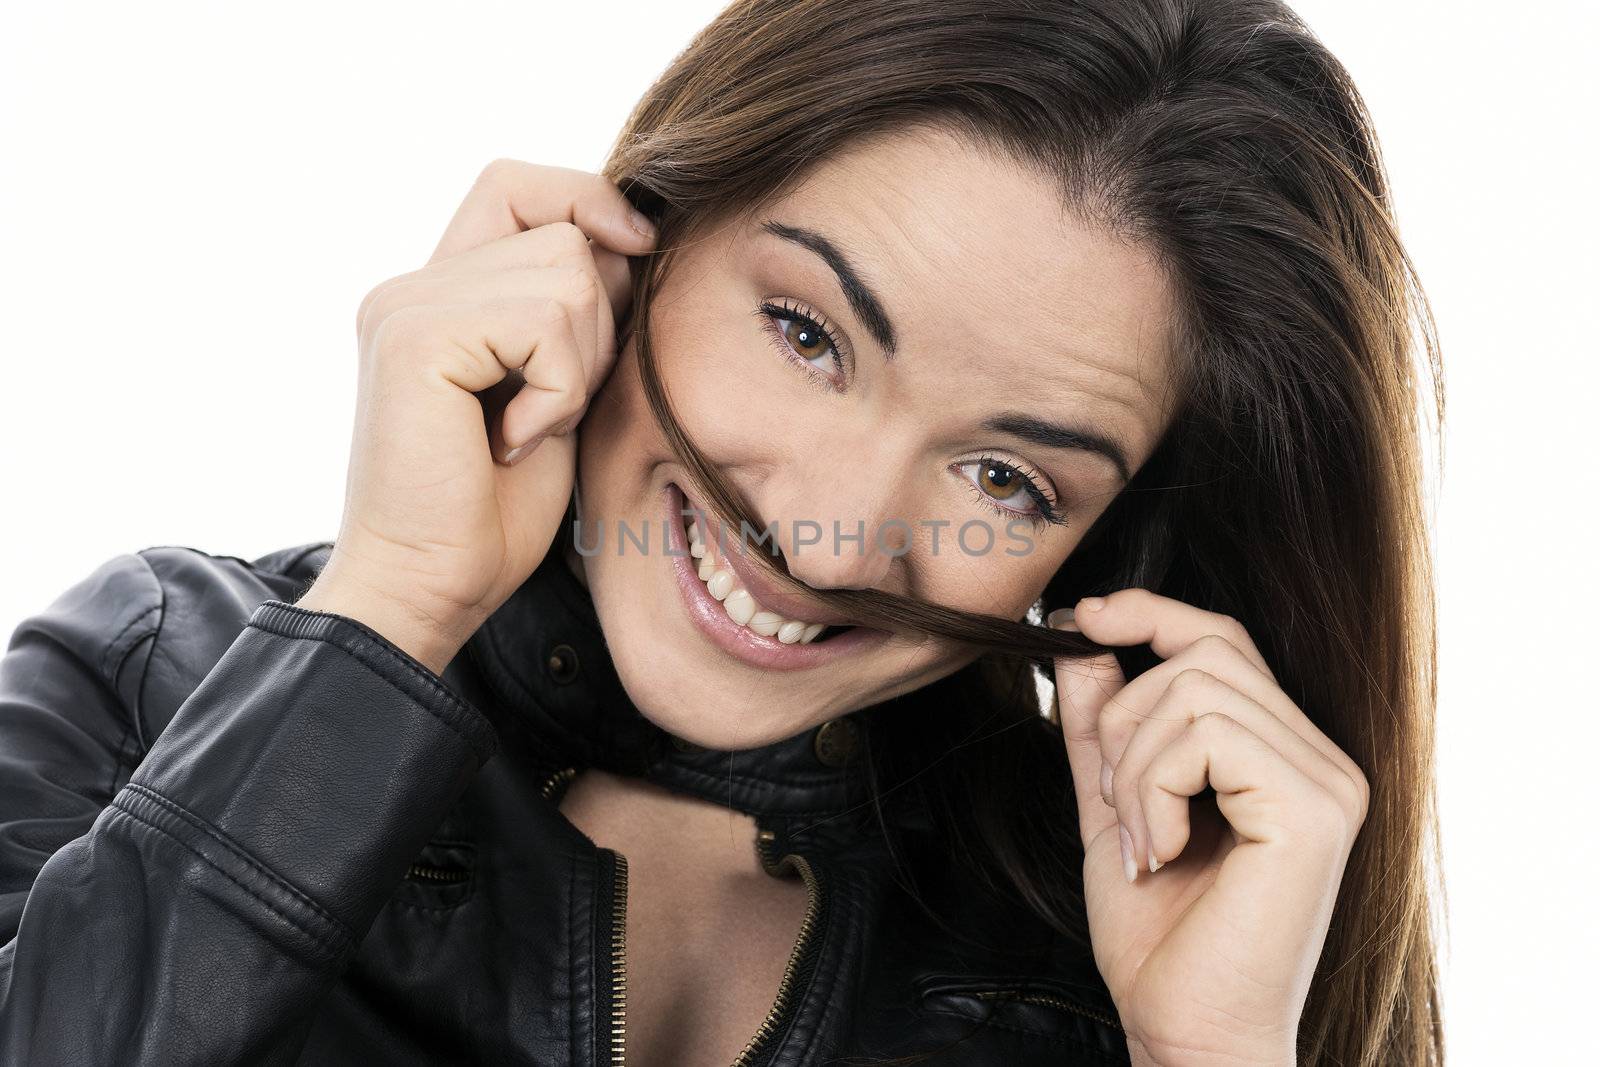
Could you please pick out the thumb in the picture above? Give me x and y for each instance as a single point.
(1083, 685)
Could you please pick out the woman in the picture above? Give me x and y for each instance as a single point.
(961, 314)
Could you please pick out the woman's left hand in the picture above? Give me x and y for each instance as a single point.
(1208, 957)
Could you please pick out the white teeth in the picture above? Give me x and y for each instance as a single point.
(741, 607)
(765, 623)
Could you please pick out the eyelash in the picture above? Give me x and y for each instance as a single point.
(770, 310)
(1048, 514)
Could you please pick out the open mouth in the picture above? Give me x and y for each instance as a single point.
(717, 588)
(722, 581)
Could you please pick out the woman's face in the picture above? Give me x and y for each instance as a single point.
(918, 345)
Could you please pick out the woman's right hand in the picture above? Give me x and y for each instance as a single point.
(450, 505)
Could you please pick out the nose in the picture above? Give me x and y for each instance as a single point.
(841, 536)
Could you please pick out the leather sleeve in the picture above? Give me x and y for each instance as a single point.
(197, 912)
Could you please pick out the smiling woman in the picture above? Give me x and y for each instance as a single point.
(909, 327)
(982, 374)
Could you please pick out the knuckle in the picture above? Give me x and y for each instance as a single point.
(1361, 796)
(547, 311)
(375, 304)
(567, 238)
(1192, 680)
(1216, 647)
(403, 330)
(1144, 787)
(1326, 815)
(569, 402)
(1132, 595)
(579, 284)
(1213, 724)
(499, 172)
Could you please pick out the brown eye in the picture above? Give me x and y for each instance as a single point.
(1002, 483)
(1010, 490)
(807, 339)
(804, 337)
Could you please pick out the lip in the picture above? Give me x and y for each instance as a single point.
(737, 641)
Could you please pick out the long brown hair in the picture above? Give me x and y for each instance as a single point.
(1287, 490)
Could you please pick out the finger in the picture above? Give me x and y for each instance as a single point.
(534, 489)
(1083, 685)
(554, 245)
(1215, 655)
(510, 195)
(1264, 797)
(1193, 694)
(473, 347)
(575, 286)
(1292, 842)
(1137, 616)
(554, 393)
(561, 245)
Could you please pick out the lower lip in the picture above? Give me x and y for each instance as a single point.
(737, 641)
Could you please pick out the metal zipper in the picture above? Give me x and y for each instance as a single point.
(449, 875)
(429, 873)
(559, 778)
(1048, 1001)
(800, 957)
(615, 874)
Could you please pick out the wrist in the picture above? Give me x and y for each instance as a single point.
(1278, 1054)
(431, 637)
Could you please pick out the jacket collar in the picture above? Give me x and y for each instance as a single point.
(545, 655)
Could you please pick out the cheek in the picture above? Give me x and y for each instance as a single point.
(994, 582)
(732, 393)
(616, 435)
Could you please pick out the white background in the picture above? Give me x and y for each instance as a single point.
(194, 198)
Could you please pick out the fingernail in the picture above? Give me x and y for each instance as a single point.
(1130, 870)
(1155, 864)
(1061, 619)
(511, 457)
(1105, 780)
(1092, 603)
(643, 225)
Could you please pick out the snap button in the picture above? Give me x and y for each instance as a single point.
(837, 742)
(562, 664)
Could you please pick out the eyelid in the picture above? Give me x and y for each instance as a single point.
(837, 339)
(1052, 508)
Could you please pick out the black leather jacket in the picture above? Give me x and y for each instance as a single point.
(233, 830)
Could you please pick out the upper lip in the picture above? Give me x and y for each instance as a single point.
(769, 596)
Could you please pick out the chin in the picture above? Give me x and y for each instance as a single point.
(709, 714)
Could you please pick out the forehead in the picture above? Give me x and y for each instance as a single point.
(980, 264)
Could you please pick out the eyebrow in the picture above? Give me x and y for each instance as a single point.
(866, 303)
(869, 309)
(1055, 435)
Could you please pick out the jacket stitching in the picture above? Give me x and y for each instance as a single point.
(127, 754)
(137, 712)
(235, 850)
(361, 648)
(399, 902)
(331, 950)
(111, 646)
